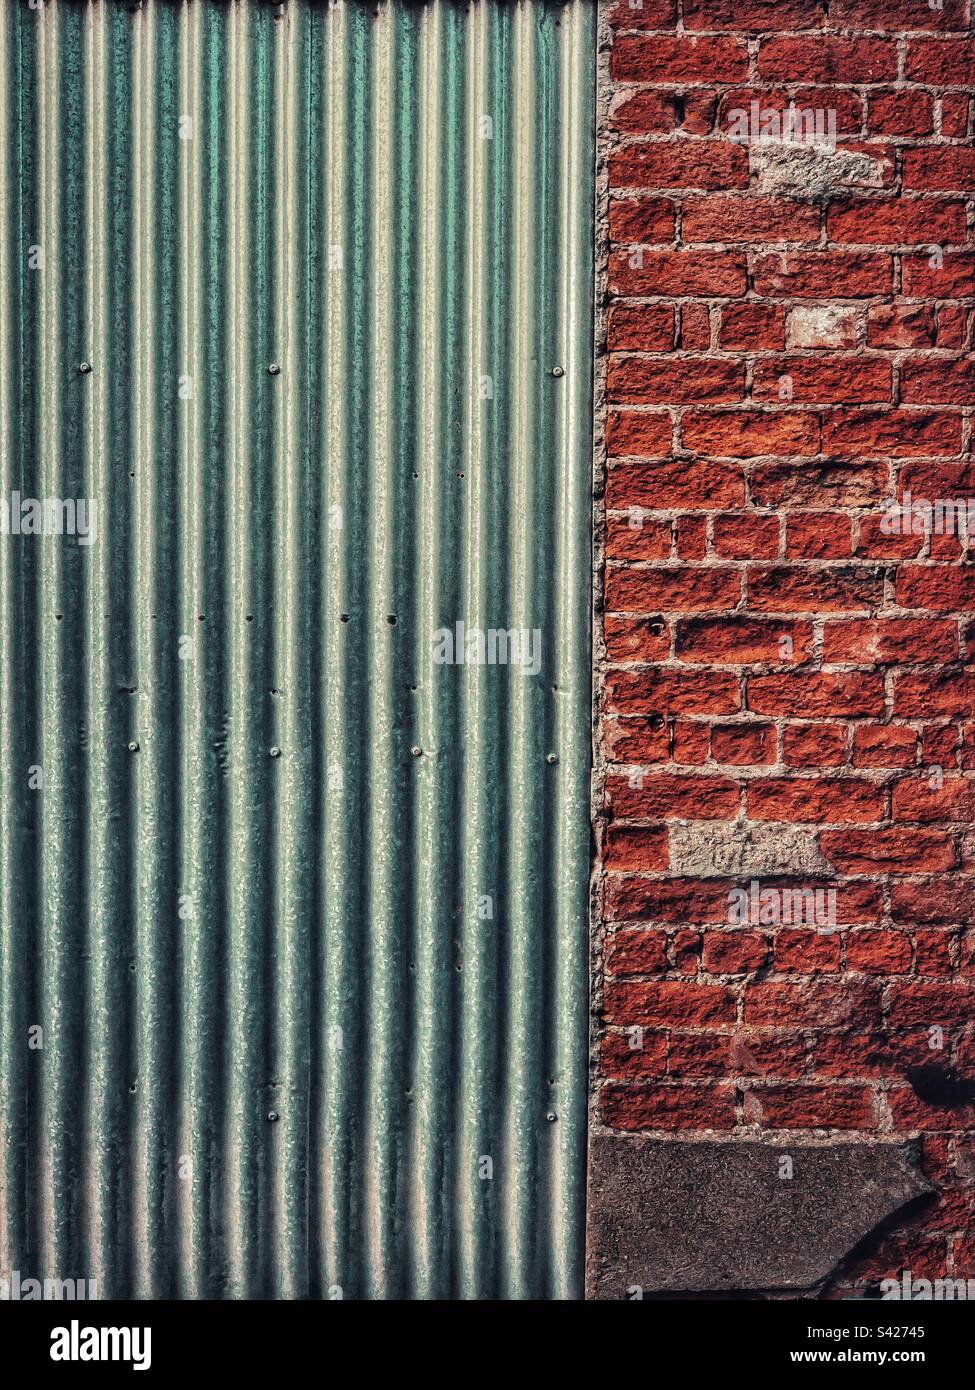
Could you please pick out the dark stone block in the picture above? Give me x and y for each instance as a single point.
(670, 1216)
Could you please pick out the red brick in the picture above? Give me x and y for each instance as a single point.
(673, 796)
(743, 745)
(745, 535)
(890, 851)
(825, 483)
(941, 588)
(641, 221)
(819, 536)
(928, 694)
(807, 952)
(878, 952)
(832, 589)
(734, 952)
(823, 274)
(896, 433)
(703, 1055)
(954, 327)
(940, 381)
(940, 745)
(640, 328)
(671, 900)
(900, 325)
(891, 641)
(846, 106)
(891, 15)
(692, 538)
(672, 589)
(750, 434)
(914, 799)
(667, 1107)
(815, 381)
(677, 1002)
(749, 219)
(637, 951)
(669, 484)
(695, 327)
(619, 1061)
(951, 278)
(690, 743)
(897, 222)
(933, 901)
(650, 111)
(884, 745)
(811, 1107)
(675, 381)
(637, 536)
(869, 1054)
(750, 460)
(954, 113)
(821, 59)
(839, 800)
(769, 1054)
(952, 170)
(927, 1005)
(640, 434)
(636, 847)
(639, 739)
(900, 113)
(677, 272)
(747, 327)
(636, 639)
(814, 745)
(678, 59)
(741, 640)
(709, 164)
(811, 1003)
(674, 689)
(941, 61)
(648, 14)
(753, 16)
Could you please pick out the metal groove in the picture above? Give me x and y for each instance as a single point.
(301, 913)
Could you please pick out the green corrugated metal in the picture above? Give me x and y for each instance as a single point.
(283, 1029)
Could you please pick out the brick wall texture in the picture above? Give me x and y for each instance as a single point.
(787, 696)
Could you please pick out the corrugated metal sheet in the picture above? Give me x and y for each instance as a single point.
(301, 914)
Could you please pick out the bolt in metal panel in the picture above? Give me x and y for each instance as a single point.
(293, 914)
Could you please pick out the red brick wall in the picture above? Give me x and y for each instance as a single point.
(785, 691)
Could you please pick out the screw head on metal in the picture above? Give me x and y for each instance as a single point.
(273, 369)
(551, 1117)
(558, 371)
(133, 747)
(273, 1115)
(275, 752)
(551, 757)
(84, 368)
(416, 750)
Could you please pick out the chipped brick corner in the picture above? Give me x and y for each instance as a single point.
(785, 687)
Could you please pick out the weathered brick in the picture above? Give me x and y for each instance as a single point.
(838, 800)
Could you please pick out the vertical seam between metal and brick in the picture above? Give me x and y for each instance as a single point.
(301, 914)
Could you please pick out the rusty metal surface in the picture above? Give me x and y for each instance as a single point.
(293, 917)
